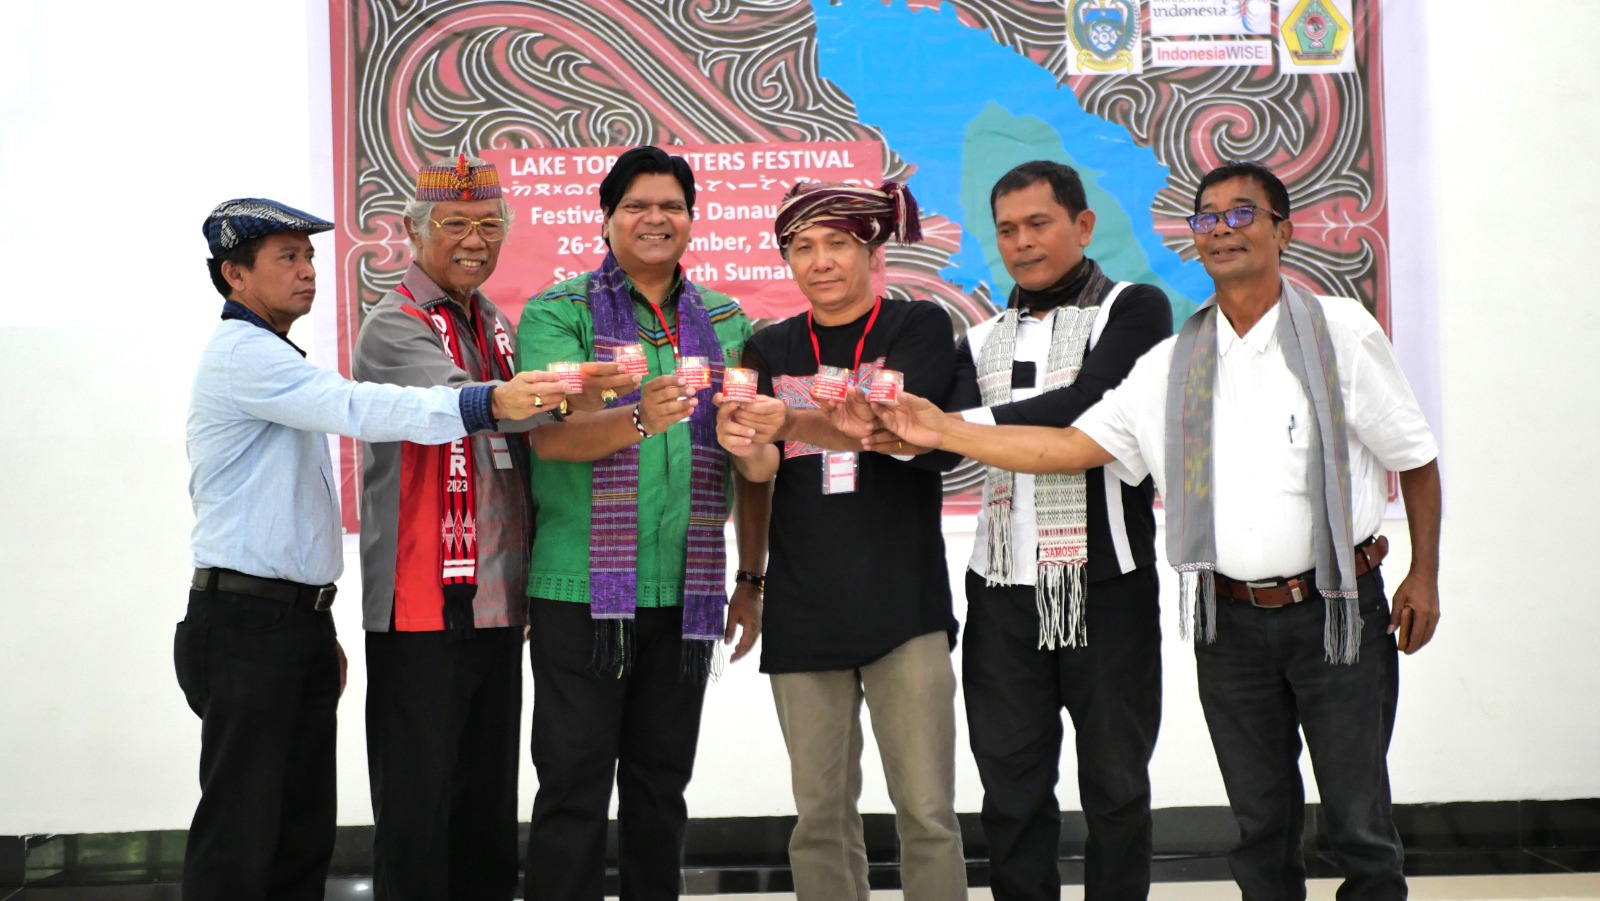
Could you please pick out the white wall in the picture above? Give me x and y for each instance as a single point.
(114, 147)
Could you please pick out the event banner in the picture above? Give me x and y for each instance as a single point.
(554, 196)
(1142, 97)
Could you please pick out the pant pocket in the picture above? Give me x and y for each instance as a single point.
(189, 660)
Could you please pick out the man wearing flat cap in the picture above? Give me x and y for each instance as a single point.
(256, 654)
(444, 544)
(858, 604)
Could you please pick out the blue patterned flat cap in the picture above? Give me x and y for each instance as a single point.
(235, 221)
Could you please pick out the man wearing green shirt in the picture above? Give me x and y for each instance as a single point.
(628, 576)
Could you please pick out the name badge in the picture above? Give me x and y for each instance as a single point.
(838, 472)
(500, 452)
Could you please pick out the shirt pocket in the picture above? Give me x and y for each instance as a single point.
(1289, 428)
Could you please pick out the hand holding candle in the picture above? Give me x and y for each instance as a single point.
(830, 385)
(696, 373)
(885, 387)
(739, 385)
(632, 359)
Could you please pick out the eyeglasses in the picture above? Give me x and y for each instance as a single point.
(456, 228)
(1238, 217)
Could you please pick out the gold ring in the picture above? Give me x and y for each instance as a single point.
(537, 401)
(901, 445)
(609, 395)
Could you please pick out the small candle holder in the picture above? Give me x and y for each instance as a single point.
(696, 372)
(571, 376)
(885, 387)
(831, 383)
(740, 384)
(632, 359)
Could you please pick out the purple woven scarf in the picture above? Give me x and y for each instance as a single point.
(614, 533)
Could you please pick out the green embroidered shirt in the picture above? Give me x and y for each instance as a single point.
(556, 326)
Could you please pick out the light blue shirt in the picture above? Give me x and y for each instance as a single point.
(261, 478)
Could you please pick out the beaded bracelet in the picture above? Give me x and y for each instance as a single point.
(639, 426)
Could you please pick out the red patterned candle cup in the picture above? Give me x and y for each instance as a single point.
(831, 383)
(739, 384)
(571, 376)
(632, 359)
(885, 387)
(696, 372)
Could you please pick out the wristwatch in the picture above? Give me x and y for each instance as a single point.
(750, 578)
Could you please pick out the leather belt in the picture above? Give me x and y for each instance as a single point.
(1293, 590)
(308, 597)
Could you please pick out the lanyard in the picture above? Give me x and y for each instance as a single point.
(671, 337)
(877, 304)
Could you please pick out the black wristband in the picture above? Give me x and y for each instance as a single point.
(750, 578)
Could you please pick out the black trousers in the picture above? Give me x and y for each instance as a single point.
(444, 719)
(640, 729)
(1264, 680)
(264, 678)
(1014, 695)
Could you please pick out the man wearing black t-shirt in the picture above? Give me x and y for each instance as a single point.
(858, 602)
(1061, 589)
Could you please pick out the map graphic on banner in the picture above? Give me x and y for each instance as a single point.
(947, 96)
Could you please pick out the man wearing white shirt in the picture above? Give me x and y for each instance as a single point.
(1064, 616)
(1272, 529)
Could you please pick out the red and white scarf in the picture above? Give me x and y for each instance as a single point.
(458, 524)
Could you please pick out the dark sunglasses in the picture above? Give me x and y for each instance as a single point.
(1238, 217)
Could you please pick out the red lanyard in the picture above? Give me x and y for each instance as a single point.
(671, 338)
(877, 304)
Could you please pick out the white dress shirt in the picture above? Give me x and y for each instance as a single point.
(1261, 418)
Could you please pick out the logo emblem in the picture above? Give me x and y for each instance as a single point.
(1104, 34)
(1315, 33)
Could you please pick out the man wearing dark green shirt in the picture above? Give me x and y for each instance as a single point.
(627, 581)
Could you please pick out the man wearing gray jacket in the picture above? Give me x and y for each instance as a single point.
(444, 551)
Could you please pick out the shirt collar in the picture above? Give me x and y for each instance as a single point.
(232, 309)
(423, 290)
(1258, 339)
(672, 294)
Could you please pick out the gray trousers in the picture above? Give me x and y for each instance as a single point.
(910, 693)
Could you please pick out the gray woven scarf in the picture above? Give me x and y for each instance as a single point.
(1302, 334)
(1060, 501)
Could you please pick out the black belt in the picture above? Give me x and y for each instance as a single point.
(309, 597)
(1294, 589)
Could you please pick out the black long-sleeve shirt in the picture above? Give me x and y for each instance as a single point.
(1139, 319)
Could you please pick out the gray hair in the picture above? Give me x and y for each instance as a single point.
(421, 211)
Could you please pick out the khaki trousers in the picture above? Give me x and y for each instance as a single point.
(910, 694)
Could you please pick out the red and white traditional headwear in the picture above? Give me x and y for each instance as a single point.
(872, 215)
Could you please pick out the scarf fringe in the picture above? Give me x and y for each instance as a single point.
(458, 617)
(1341, 631)
(1060, 598)
(998, 542)
(1197, 605)
(612, 657)
(701, 661)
